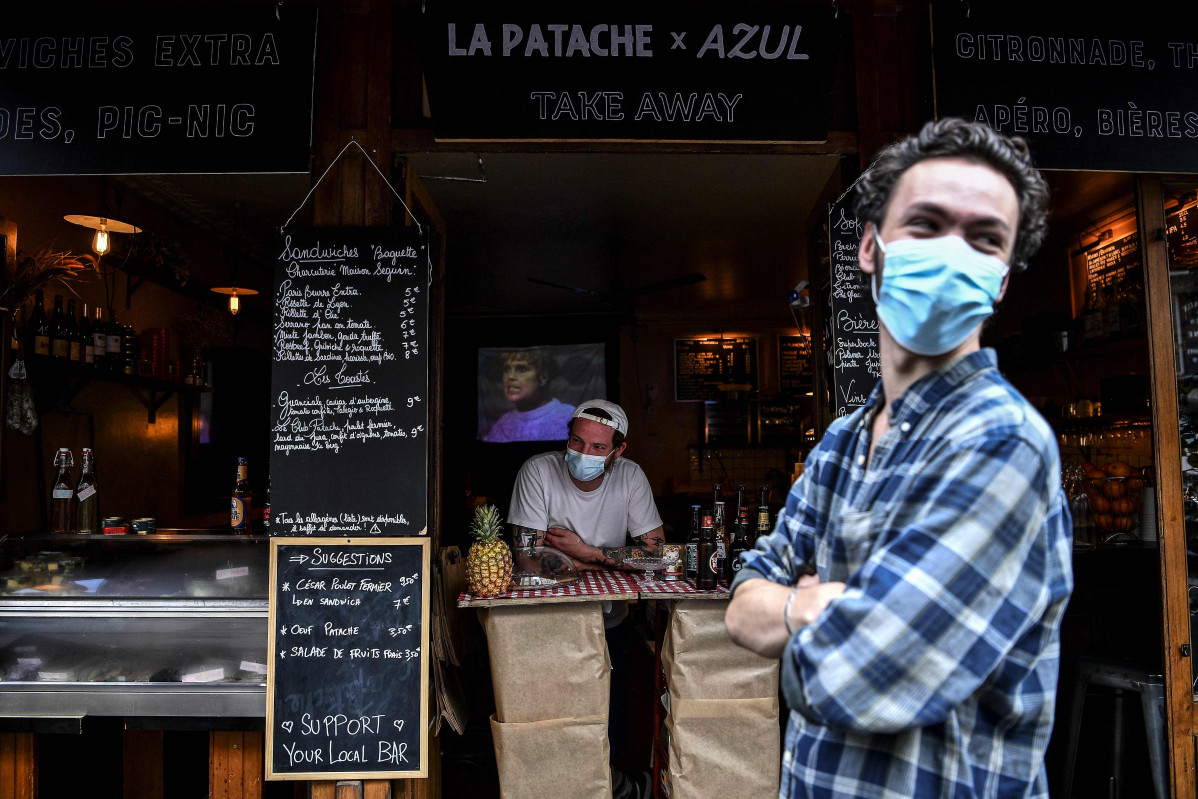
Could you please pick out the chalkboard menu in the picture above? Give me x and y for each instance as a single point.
(349, 417)
(706, 369)
(347, 681)
(1112, 267)
(1181, 233)
(794, 365)
(852, 321)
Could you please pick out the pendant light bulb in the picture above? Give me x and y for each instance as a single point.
(234, 303)
(100, 242)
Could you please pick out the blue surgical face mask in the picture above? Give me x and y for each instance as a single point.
(584, 467)
(935, 292)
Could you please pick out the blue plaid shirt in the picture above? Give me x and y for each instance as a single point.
(935, 674)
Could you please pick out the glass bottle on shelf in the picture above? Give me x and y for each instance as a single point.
(99, 341)
(62, 496)
(85, 338)
(87, 510)
(60, 344)
(113, 334)
(129, 351)
(71, 333)
(242, 499)
(39, 324)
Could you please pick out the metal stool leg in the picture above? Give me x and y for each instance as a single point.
(1076, 704)
(1116, 746)
(1152, 700)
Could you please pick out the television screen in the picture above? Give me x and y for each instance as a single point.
(529, 393)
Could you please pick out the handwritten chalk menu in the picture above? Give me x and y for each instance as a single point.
(349, 422)
(794, 364)
(1112, 266)
(852, 322)
(707, 369)
(347, 681)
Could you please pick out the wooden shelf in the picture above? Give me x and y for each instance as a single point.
(57, 382)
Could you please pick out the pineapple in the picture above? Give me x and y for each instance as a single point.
(489, 562)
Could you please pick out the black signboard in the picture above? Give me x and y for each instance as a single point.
(794, 365)
(349, 420)
(153, 88)
(1089, 90)
(628, 70)
(709, 369)
(852, 320)
(347, 681)
(1181, 231)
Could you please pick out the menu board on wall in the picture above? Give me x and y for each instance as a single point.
(1088, 90)
(122, 88)
(794, 365)
(349, 420)
(630, 70)
(852, 321)
(1181, 232)
(707, 369)
(1112, 266)
(347, 681)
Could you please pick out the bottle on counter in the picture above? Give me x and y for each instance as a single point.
(763, 512)
(87, 501)
(39, 324)
(60, 340)
(740, 543)
(242, 498)
(692, 544)
(99, 341)
(62, 496)
(266, 505)
(717, 521)
(74, 343)
(708, 555)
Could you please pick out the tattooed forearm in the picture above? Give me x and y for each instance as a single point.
(527, 536)
(615, 557)
(652, 542)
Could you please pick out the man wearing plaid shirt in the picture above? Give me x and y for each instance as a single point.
(915, 582)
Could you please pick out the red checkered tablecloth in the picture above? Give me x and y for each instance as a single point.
(590, 585)
(600, 585)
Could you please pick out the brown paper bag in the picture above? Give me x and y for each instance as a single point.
(724, 749)
(548, 661)
(555, 758)
(701, 662)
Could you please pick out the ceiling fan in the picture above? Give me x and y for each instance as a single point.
(619, 295)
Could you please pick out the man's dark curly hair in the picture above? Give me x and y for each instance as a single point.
(959, 138)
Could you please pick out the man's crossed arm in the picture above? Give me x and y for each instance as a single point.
(587, 556)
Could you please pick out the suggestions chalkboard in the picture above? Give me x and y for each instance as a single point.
(349, 438)
(707, 369)
(852, 321)
(347, 681)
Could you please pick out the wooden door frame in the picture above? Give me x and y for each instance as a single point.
(1177, 657)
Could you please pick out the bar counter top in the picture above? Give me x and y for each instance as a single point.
(598, 585)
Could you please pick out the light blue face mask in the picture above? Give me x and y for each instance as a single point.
(935, 292)
(584, 467)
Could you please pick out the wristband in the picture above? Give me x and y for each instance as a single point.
(786, 611)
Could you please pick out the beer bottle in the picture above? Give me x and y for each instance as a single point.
(62, 496)
(763, 512)
(692, 544)
(40, 325)
(717, 522)
(708, 556)
(60, 339)
(740, 543)
(87, 514)
(242, 498)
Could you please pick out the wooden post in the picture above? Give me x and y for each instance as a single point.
(235, 765)
(18, 765)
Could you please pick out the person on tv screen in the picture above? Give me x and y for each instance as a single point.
(537, 415)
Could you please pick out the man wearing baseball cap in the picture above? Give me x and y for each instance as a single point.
(587, 502)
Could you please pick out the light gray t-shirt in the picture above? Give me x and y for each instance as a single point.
(622, 505)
